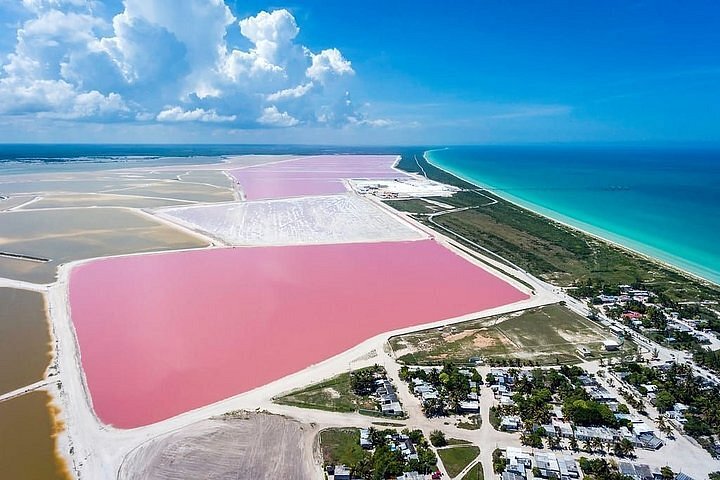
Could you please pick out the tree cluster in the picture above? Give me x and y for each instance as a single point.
(383, 462)
(362, 381)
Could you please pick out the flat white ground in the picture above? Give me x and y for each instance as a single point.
(295, 221)
(403, 188)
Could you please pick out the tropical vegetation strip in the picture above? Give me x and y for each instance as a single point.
(547, 249)
(455, 459)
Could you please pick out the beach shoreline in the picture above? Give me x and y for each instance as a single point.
(631, 250)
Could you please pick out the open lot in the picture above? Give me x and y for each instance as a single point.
(252, 315)
(335, 395)
(244, 445)
(27, 445)
(295, 221)
(546, 335)
(63, 235)
(24, 338)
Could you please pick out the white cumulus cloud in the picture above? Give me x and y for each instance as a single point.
(271, 116)
(137, 60)
(177, 114)
(328, 63)
(288, 93)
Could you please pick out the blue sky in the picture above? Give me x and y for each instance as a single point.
(359, 72)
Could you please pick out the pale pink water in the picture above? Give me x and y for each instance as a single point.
(320, 175)
(166, 333)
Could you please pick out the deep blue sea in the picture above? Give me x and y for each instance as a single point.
(663, 202)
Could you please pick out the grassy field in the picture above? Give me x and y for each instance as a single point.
(547, 335)
(475, 473)
(547, 249)
(333, 395)
(339, 445)
(455, 459)
(457, 441)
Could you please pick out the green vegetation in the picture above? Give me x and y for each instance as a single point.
(437, 438)
(455, 459)
(536, 393)
(495, 419)
(474, 422)
(452, 386)
(342, 447)
(347, 392)
(499, 462)
(457, 441)
(542, 336)
(475, 473)
(678, 384)
(547, 249)
(600, 469)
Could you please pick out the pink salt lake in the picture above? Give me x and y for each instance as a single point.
(166, 333)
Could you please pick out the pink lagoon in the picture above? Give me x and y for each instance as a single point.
(162, 334)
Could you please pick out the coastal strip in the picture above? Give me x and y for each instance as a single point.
(543, 213)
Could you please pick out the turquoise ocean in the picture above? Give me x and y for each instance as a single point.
(662, 202)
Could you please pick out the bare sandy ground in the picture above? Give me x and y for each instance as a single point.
(242, 446)
(295, 221)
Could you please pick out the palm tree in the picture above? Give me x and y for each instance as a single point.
(667, 473)
(573, 444)
(363, 467)
(662, 425)
(598, 444)
(623, 448)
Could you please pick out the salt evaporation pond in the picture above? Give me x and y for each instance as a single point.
(166, 333)
(317, 175)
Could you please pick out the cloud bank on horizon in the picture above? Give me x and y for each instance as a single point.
(171, 62)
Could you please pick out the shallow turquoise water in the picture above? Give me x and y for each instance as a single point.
(660, 201)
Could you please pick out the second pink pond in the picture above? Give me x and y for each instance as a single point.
(316, 175)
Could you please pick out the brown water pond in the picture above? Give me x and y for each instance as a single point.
(24, 338)
(27, 439)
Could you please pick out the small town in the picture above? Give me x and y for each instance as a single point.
(614, 413)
